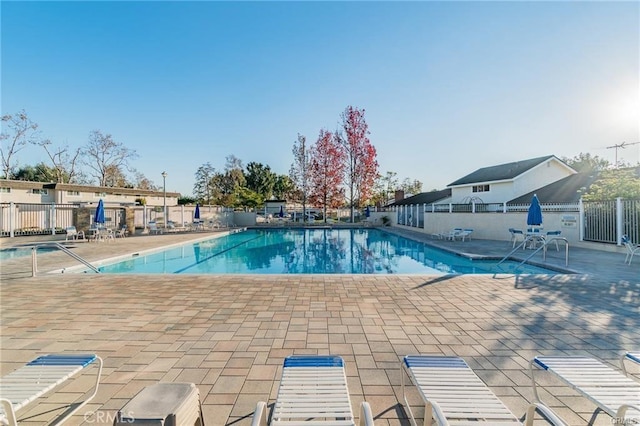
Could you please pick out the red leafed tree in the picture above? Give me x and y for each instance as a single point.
(327, 172)
(361, 166)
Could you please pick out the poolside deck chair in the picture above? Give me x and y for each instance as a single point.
(40, 376)
(73, 233)
(632, 249)
(610, 390)
(631, 357)
(454, 395)
(464, 234)
(515, 235)
(453, 233)
(313, 391)
(153, 228)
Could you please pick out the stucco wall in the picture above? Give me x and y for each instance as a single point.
(495, 226)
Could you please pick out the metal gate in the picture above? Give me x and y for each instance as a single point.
(601, 220)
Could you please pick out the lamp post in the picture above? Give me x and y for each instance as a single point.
(164, 198)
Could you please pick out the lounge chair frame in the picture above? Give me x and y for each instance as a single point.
(21, 387)
(629, 357)
(611, 391)
(313, 391)
(454, 395)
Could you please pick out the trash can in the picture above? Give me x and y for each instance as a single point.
(163, 404)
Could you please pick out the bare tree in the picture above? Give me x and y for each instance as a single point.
(106, 158)
(300, 172)
(20, 132)
(64, 162)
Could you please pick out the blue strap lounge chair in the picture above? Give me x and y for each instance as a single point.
(454, 395)
(313, 390)
(610, 390)
(630, 357)
(40, 376)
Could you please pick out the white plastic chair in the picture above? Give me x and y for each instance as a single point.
(612, 391)
(631, 249)
(313, 390)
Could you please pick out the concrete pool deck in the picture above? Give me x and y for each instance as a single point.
(229, 334)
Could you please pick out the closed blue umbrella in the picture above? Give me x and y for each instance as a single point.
(99, 216)
(196, 214)
(281, 214)
(534, 216)
(367, 212)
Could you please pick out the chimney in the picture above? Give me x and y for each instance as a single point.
(399, 195)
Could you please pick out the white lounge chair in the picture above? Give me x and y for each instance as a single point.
(465, 234)
(73, 233)
(631, 357)
(454, 395)
(632, 249)
(24, 385)
(516, 234)
(613, 392)
(153, 228)
(313, 390)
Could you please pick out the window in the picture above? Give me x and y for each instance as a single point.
(5, 190)
(39, 191)
(480, 188)
(73, 193)
(100, 194)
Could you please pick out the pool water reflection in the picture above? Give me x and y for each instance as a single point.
(310, 251)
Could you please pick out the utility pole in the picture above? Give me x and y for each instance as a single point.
(622, 145)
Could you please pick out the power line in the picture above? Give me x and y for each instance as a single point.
(622, 145)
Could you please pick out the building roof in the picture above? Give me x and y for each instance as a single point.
(566, 190)
(502, 171)
(424, 198)
(21, 184)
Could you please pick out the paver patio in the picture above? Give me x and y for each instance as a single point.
(229, 334)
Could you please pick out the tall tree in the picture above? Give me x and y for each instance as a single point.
(38, 173)
(284, 187)
(411, 186)
(64, 162)
(614, 183)
(203, 188)
(260, 179)
(326, 172)
(106, 158)
(18, 131)
(585, 162)
(299, 173)
(361, 164)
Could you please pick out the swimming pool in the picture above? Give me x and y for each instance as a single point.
(309, 251)
(13, 252)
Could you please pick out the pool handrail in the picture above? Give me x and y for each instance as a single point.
(34, 261)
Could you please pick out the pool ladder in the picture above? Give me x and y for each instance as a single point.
(34, 261)
(543, 247)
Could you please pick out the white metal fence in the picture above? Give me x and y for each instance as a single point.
(599, 221)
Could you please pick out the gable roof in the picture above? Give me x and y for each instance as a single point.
(564, 190)
(424, 198)
(501, 172)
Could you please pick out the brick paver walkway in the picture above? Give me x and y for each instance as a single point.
(229, 334)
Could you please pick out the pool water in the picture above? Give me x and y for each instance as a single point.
(14, 252)
(310, 251)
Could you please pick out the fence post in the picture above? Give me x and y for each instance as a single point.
(53, 218)
(619, 224)
(581, 223)
(473, 206)
(12, 219)
(504, 207)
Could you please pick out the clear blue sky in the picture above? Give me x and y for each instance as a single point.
(448, 87)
